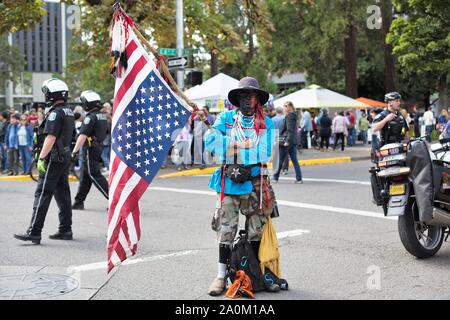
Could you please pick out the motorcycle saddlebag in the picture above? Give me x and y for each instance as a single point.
(419, 161)
(441, 177)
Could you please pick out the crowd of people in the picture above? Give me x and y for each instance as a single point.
(18, 133)
(343, 129)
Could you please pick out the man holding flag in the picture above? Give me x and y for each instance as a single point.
(146, 117)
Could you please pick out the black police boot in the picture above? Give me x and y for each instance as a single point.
(36, 239)
(62, 235)
(78, 206)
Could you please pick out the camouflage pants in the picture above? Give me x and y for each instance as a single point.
(226, 218)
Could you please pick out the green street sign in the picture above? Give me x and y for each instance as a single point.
(173, 51)
(167, 51)
(189, 51)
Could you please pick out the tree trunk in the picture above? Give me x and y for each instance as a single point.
(214, 64)
(443, 93)
(390, 73)
(251, 45)
(351, 61)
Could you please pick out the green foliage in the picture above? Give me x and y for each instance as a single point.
(310, 37)
(11, 61)
(19, 14)
(216, 26)
(421, 36)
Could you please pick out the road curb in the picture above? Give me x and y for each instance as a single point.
(28, 178)
(309, 162)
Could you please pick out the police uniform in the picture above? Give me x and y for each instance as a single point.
(95, 127)
(54, 182)
(394, 131)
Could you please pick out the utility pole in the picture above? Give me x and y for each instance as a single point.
(180, 42)
(9, 96)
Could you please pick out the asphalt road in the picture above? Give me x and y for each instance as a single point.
(335, 244)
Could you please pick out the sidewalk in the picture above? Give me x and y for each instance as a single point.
(307, 157)
(357, 152)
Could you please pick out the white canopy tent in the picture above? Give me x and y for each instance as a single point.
(213, 89)
(315, 96)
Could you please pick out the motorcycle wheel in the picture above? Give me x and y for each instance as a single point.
(420, 240)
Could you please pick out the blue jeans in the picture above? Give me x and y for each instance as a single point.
(105, 156)
(25, 155)
(364, 136)
(351, 137)
(292, 151)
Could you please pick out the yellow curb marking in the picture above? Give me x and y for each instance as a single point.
(28, 178)
(211, 170)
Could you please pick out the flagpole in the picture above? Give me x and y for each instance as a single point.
(118, 8)
(172, 82)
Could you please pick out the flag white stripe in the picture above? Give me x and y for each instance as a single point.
(132, 229)
(115, 258)
(119, 172)
(131, 184)
(121, 168)
(123, 241)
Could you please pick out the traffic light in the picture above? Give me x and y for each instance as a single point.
(195, 78)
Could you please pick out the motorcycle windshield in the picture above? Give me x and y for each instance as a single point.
(419, 161)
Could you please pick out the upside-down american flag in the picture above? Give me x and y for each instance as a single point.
(147, 115)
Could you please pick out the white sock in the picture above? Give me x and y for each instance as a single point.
(222, 270)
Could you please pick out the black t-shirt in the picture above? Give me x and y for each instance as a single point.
(95, 125)
(393, 131)
(60, 123)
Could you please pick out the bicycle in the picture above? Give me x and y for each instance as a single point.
(315, 141)
(34, 172)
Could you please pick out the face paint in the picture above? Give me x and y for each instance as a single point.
(247, 103)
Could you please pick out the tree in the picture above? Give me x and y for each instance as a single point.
(11, 61)
(15, 15)
(19, 14)
(390, 79)
(320, 37)
(421, 41)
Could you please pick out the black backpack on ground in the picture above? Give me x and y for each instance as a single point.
(243, 258)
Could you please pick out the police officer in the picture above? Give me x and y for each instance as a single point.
(392, 125)
(92, 133)
(53, 165)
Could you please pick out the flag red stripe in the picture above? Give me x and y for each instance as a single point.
(129, 80)
(136, 214)
(124, 228)
(130, 205)
(127, 174)
(120, 251)
(141, 188)
(130, 48)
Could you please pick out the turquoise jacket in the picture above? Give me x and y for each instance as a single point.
(217, 140)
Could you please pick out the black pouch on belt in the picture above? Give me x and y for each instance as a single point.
(238, 173)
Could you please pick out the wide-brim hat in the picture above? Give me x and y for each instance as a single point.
(248, 84)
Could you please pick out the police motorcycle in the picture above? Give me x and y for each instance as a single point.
(412, 181)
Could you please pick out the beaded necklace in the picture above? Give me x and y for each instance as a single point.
(244, 128)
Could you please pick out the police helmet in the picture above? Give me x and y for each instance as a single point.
(392, 96)
(90, 100)
(55, 89)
